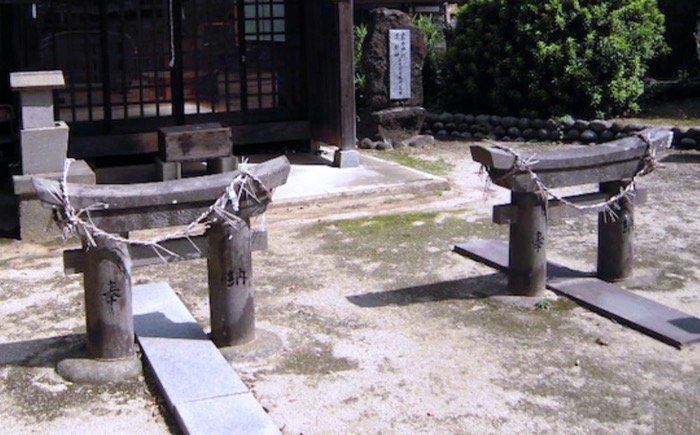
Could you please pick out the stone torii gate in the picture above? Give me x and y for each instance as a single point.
(223, 202)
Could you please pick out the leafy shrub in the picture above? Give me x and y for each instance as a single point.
(551, 57)
(359, 33)
(434, 29)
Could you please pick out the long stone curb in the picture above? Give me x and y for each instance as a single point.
(200, 387)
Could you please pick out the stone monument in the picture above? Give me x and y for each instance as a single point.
(44, 146)
(393, 54)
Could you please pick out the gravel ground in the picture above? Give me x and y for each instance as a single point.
(383, 329)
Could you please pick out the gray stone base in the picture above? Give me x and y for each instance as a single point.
(90, 371)
(266, 344)
(346, 159)
(44, 149)
(35, 221)
(393, 124)
(219, 165)
(168, 170)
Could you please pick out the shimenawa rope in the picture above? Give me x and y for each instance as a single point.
(607, 207)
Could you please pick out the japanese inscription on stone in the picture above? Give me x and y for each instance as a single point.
(399, 64)
(112, 295)
(236, 278)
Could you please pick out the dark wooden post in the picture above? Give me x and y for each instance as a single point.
(616, 237)
(346, 156)
(527, 271)
(231, 290)
(108, 300)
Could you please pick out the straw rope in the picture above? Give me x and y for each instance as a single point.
(608, 207)
(78, 222)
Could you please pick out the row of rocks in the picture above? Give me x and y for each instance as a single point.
(686, 138)
(509, 128)
(417, 141)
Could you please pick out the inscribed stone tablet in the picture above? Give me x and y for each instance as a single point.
(399, 64)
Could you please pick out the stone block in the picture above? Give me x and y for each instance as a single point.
(194, 142)
(37, 109)
(35, 88)
(168, 170)
(44, 149)
(186, 363)
(220, 165)
(36, 222)
(37, 80)
(346, 159)
(240, 414)
(395, 124)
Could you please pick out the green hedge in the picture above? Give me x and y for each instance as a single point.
(551, 57)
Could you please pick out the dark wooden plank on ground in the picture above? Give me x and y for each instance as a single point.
(494, 253)
(656, 320)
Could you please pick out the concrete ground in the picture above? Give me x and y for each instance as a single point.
(372, 325)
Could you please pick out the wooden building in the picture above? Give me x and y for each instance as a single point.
(273, 70)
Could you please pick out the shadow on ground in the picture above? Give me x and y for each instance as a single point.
(41, 352)
(681, 158)
(469, 288)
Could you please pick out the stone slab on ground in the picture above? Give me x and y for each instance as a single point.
(236, 414)
(199, 385)
(649, 317)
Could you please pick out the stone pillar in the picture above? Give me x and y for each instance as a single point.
(527, 257)
(616, 237)
(231, 289)
(110, 350)
(108, 300)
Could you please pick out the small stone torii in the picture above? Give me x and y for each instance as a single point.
(102, 215)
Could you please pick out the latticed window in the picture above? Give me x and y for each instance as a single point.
(136, 64)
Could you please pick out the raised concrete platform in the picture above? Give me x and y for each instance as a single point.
(313, 177)
(200, 387)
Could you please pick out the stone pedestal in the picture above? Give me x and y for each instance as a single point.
(36, 222)
(44, 147)
(394, 124)
(346, 159)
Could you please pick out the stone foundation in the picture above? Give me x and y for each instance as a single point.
(458, 126)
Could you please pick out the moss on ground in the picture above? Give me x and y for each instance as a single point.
(315, 358)
(406, 158)
(408, 246)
